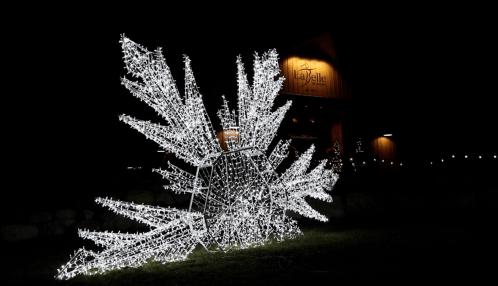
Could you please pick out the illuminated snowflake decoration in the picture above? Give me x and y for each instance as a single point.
(237, 198)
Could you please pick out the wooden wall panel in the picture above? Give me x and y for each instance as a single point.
(312, 77)
(385, 149)
(227, 136)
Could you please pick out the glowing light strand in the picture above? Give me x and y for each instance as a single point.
(337, 160)
(237, 198)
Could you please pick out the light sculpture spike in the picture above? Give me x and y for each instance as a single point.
(237, 198)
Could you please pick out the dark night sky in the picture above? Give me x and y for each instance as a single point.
(423, 74)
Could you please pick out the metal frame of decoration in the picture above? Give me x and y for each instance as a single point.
(237, 198)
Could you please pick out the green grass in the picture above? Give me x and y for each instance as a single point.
(203, 267)
(325, 255)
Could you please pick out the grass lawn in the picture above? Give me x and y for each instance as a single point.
(327, 254)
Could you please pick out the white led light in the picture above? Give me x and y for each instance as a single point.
(337, 161)
(465, 156)
(382, 161)
(358, 146)
(453, 156)
(392, 163)
(400, 164)
(237, 198)
(479, 157)
(442, 160)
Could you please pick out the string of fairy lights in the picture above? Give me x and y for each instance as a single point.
(443, 160)
(473, 158)
(337, 162)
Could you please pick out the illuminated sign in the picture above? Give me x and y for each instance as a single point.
(312, 77)
(305, 74)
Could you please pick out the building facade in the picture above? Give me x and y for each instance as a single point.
(325, 110)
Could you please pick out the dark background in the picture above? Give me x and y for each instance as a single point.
(425, 73)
